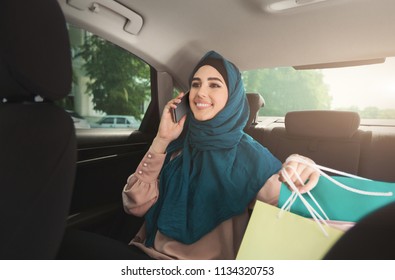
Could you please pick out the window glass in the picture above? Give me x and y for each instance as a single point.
(107, 121)
(121, 120)
(368, 90)
(107, 80)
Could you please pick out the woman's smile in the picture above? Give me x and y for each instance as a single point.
(203, 105)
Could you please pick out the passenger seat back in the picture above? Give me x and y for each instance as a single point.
(378, 158)
(330, 138)
(37, 142)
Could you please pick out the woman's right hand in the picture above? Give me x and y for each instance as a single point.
(168, 130)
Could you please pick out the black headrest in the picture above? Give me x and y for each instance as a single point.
(35, 54)
(325, 123)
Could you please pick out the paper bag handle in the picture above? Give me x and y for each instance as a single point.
(319, 168)
(296, 193)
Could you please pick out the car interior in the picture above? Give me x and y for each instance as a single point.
(38, 143)
(45, 44)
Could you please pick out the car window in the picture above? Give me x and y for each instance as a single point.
(107, 80)
(121, 121)
(368, 90)
(107, 121)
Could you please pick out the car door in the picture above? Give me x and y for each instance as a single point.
(106, 156)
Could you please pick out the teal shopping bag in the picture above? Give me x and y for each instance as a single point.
(339, 203)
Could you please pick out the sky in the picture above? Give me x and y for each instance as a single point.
(371, 85)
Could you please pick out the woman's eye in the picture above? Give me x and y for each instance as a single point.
(214, 85)
(195, 85)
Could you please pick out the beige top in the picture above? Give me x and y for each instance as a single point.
(141, 192)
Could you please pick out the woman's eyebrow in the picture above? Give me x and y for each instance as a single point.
(209, 79)
(215, 79)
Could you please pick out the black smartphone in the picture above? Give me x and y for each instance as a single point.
(182, 108)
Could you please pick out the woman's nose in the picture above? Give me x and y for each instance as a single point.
(202, 92)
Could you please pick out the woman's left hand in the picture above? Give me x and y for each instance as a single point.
(307, 174)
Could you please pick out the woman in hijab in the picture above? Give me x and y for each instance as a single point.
(197, 180)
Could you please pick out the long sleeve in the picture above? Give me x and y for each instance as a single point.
(141, 190)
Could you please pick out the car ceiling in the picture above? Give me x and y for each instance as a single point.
(176, 33)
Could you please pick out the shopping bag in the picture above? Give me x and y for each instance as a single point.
(270, 236)
(345, 198)
(341, 204)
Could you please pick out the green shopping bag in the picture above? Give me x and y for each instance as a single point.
(339, 203)
(285, 237)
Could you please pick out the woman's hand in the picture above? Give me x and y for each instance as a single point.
(168, 130)
(308, 175)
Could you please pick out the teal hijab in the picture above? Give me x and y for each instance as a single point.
(219, 172)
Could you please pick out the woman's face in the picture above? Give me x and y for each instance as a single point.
(208, 94)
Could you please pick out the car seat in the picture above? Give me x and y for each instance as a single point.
(372, 238)
(37, 143)
(330, 138)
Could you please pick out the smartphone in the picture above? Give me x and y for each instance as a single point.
(182, 108)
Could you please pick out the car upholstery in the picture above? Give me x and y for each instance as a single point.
(37, 143)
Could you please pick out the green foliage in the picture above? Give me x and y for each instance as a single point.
(66, 103)
(372, 112)
(285, 89)
(118, 81)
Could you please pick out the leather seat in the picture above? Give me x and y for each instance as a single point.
(330, 138)
(37, 143)
(370, 239)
